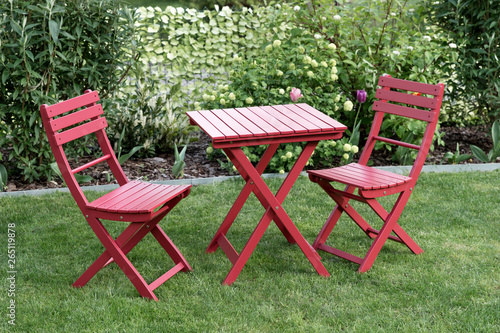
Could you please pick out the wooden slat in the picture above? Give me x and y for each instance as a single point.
(161, 195)
(399, 97)
(142, 194)
(207, 127)
(72, 104)
(361, 176)
(76, 117)
(79, 131)
(219, 124)
(115, 195)
(295, 126)
(258, 121)
(424, 88)
(265, 117)
(404, 111)
(323, 126)
(320, 115)
(238, 128)
(303, 121)
(245, 122)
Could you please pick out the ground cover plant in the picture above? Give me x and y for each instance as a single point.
(451, 287)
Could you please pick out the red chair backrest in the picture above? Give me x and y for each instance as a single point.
(407, 99)
(70, 120)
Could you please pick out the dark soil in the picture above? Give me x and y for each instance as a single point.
(198, 166)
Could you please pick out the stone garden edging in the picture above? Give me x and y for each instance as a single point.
(207, 181)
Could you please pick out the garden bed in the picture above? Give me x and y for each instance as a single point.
(198, 166)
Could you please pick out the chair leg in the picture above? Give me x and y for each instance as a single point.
(170, 248)
(389, 224)
(121, 259)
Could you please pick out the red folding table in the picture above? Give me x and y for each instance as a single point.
(232, 129)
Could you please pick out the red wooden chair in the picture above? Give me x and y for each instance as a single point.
(371, 183)
(141, 204)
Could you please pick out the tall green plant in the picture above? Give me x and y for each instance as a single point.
(474, 28)
(49, 51)
(375, 37)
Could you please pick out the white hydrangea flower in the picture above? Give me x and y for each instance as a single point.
(348, 107)
(347, 147)
(453, 45)
(296, 8)
(232, 96)
(336, 17)
(277, 43)
(427, 38)
(282, 91)
(332, 46)
(396, 52)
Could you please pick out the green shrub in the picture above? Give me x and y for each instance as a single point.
(301, 61)
(474, 29)
(210, 4)
(52, 51)
(375, 37)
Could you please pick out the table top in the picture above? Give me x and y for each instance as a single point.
(266, 124)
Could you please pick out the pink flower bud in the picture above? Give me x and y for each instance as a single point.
(295, 94)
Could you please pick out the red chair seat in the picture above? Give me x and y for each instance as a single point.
(137, 198)
(363, 177)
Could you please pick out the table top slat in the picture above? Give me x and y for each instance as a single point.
(279, 117)
(242, 125)
(219, 124)
(207, 127)
(300, 118)
(237, 127)
(320, 115)
(322, 125)
(266, 117)
(253, 119)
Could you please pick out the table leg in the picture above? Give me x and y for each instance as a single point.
(242, 198)
(274, 210)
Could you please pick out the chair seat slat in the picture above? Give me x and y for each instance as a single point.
(363, 177)
(79, 131)
(76, 117)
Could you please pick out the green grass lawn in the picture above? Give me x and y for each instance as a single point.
(452, 287)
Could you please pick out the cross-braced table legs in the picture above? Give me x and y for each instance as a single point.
(272, 204)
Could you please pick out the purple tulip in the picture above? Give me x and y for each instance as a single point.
(295, 94)
(361, 96)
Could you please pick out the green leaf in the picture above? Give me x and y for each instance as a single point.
(495, 135)
(479, 154)
(5, 75)
(54, 30)
(125, 157)
(3, 177)
(16, 27)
